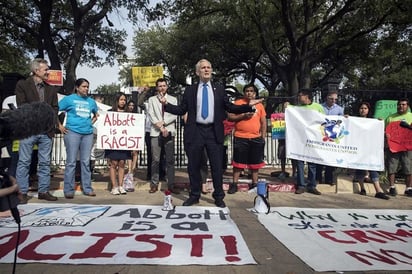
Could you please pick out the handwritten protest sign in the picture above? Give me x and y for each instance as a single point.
(123, 234)
(146, 76)
(120, 131)
(344, 239)
(399, 138)
(278, 125)
(55, 78)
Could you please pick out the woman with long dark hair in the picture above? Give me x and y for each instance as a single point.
(81, 113)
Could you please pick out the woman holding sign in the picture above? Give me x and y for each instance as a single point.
(117, 158)
(81, 113)
(374, 175)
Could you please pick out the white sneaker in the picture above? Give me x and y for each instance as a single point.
(121, 190)
(115, 191)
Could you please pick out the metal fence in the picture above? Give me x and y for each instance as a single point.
(59, 151)
(347, 98)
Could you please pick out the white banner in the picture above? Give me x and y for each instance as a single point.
(352, 142)
(123, 234)
(120, 131)
(344, 239)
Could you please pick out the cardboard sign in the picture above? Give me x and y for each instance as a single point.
(399, 138)
(55, 78)
(120, 131)
(146, 76)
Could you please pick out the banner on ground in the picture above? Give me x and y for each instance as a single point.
(348, 142)
(146, 76)
(123, 234)
(120, 131)
(344, 239)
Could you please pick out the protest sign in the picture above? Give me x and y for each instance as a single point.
(120, 131)
(123, 234)
(344, 239)
(348, 142)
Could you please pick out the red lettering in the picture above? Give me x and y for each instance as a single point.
(10, 245)
(325, 234)
(231, 249)
(361, 236)
(197, 243)
(96, 250)
(161, 250)
(113, 142)
(398, 235)
(375, 256)
(107, 120)
(29, 253)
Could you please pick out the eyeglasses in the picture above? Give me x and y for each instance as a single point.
(332, 98)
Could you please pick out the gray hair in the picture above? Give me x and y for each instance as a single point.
(35, 64)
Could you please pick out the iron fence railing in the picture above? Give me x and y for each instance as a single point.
(271, 159)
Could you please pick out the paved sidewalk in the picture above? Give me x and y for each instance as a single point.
(271, 256)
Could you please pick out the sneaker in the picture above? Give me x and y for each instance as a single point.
(362, 192)
(381, 195)
(314, 191)
(122, 191)
(393, 192)
(232, 188)
(115, 191)
(299, 190)
(408, 192)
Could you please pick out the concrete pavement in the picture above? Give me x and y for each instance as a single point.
(271, 256)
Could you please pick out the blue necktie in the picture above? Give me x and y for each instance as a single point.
(205, 103)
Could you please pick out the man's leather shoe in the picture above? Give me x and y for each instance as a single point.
(23, 199)
(47, 196)
(174, 190)
(191, 201)
(220, 203)
(314, 191)
(153, 189)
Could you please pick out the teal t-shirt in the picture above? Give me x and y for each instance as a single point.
(79, 112)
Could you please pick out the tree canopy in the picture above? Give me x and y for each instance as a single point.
(69, 32)
(289, 44)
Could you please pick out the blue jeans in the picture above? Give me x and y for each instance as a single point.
(44, 143)
(301, 175)
(77, 143)
(360, 174)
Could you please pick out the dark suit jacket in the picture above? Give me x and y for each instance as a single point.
(222, 105)
(26, 93)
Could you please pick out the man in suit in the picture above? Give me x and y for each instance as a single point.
(35, 89)
(206, 104)
(162, 132)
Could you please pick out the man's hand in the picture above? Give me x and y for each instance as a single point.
(162, 99)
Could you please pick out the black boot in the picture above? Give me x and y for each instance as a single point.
(232, 188)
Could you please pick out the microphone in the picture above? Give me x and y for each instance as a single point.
(27, 120)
